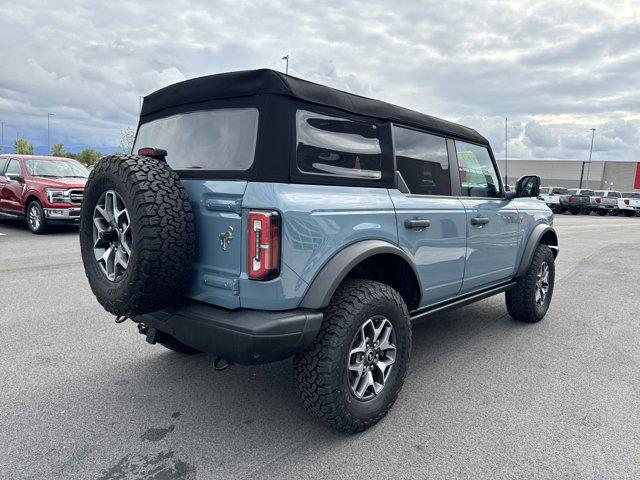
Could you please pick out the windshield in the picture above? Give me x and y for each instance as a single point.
(210, 139)
(55, 168)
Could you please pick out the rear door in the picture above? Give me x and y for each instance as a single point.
(492, 222)
(202, 143)
(431, 222)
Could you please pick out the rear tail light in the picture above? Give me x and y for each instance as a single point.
(626, 201)
(569, 198)
(597, 199)
(264, 245)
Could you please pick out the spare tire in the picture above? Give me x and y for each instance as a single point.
(136, 234)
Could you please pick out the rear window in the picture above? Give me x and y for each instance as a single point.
(614, 194)
(572, 192)
(338, 147)
(560, 191)
(632, 195)
(223, 139)
(589, 193)
(545, 190)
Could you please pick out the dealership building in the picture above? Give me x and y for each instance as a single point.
(623, 176)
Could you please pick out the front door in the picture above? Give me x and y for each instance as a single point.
(11, 189)
(492, 221)
(431, 223)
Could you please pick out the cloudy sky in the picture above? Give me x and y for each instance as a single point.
(555, 69)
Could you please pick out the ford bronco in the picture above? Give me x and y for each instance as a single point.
(262, 216)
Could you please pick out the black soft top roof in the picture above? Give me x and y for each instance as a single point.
(266, 81)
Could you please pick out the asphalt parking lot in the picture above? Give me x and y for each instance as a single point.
(485, 397)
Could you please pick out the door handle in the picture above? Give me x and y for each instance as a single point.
(479, 221)
(416, 223)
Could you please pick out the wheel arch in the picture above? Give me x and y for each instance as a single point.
(541, 234)
(369, 259)
(30, 198)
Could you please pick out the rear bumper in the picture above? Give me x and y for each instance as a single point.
(241, 336)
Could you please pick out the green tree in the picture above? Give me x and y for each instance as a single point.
(126, 140)
(88, 156)
(22, 147)
(58, 150)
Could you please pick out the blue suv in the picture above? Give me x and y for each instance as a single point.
(263, 216)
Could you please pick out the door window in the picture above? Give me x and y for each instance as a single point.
(14, 167)
(478, 177)
(422, 161)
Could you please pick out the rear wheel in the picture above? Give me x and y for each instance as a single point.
(575, 211)
(351, 375)
(602, 213)
(629, 213)
(529, 299)
(35, 218)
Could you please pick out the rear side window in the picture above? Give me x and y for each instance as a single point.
(422, 161)
(478, 176)
(337, 147)
(223, 139)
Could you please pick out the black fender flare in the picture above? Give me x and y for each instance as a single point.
(325, 283)
(534, 239)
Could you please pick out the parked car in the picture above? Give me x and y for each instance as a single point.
(551, 197)
(629, 203)
(44, 190)
(263, 217)
(605, 202)
(576, 201)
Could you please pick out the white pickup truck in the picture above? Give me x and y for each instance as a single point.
(629, 203)
(551, 196)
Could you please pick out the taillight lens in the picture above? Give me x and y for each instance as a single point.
(264, 245)
(597, 199)
(569, 198)
(626, 201)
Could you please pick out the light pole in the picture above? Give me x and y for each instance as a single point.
(1, 136)
(286, 58)
(506, 142)
(593, 132)
(49, 115)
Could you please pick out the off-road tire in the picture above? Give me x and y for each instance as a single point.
(321, 369)
(520, 299)
(43, 227)
(163, 238)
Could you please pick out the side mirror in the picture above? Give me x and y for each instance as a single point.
(528, 186)
(16, 177)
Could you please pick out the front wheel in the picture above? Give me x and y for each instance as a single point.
(529, 299)
(350, 376)
(35, 218)
(629, 213)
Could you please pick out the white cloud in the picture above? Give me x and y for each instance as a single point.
(556, 69)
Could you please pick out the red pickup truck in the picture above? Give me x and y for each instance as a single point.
(44, 190)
